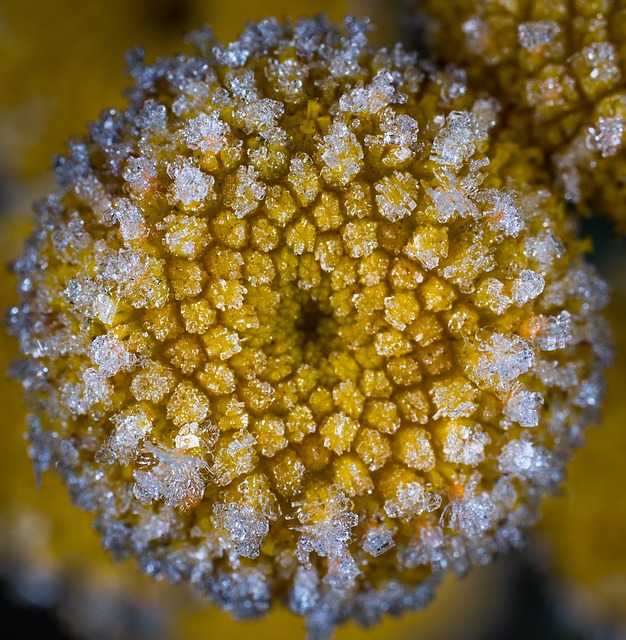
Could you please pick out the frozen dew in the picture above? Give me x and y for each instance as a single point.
(399, 130)
(298, 326)
(341, 154)
(377, 540)
(539, 35)
(244, 191)
(91, 191)
(175, 478)
(152, 117)
(465, 266)
(206, 133)
(193, 96)
(191, 186)
(70, 240)
(397, 142)
(110, 355)
(607, 135)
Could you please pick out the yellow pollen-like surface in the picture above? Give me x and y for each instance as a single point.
(280, 325)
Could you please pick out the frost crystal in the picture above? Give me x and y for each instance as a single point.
(520, 458)
(522, 407)
(206, 133)
(534, 35)
(140, 173)
(325, 527)
(175, 478)
(555, 333)
(527, 286)
(397, 195)
(191, 186)
(607, 135)
(377, 540)
(457, 140)
(244, 191)
(412, 499)
(502, 361)
(131, 427)
(110, 355)
(132, 223)
(465, 443)
(341, 153)
(245, 525)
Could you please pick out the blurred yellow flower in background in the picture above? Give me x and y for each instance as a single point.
(558, 68)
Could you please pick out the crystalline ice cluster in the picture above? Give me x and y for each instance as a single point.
(299, 327)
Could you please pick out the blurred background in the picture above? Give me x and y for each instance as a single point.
(61, 63)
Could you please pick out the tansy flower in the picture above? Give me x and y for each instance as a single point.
(558, 69)
(298, 328)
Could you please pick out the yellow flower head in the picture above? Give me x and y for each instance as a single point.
(558, 66)
(297, 328)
